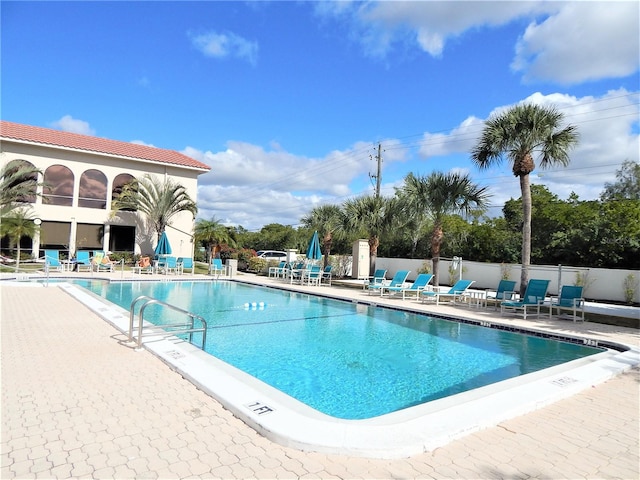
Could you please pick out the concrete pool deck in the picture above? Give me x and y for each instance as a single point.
(76, 402)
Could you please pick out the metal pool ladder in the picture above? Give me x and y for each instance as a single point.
(171, 328)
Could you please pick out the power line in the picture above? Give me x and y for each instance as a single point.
(445, 139)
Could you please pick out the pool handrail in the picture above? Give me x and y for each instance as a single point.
(151, 300)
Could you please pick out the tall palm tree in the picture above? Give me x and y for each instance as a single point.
(212, 234)
(441, 194)
(518, 134)
(417, 222)
(325, 219)
(17, 224)
(158, 200)
(372, 215)
(18, 184)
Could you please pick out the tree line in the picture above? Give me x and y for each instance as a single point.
(602, 233)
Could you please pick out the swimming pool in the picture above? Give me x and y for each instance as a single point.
(406, 432)
(349, 361)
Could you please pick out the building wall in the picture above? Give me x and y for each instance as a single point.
(43, 157)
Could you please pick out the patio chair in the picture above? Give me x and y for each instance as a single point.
(298, 272)
(397, 281)
(276, 270)
(312, 276)
(52, 260)
(378, 278)
(216, 268)
(454, 293)
(420, 283)
(533, 297)
(505, 291)
(144, 266)
(83, 260)
(185, 263)
(102, 263)
(570, 299)
(170, 265)
(326, 275)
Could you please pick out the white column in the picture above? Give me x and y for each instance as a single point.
(106, 237)
(72, 237)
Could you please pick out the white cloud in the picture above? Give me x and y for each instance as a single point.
(574, 41)
(460, 139)
(433, 23)
(584, 41)
(141, 142)
(223, 45)
(379, 25)
(70, 124)
(251, 186)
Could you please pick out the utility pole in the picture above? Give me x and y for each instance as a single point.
(378, 176)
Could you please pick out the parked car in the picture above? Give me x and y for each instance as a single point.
(272, 255)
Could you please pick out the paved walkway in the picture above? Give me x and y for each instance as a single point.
(76, 403)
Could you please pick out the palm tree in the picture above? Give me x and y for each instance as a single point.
(372, 215)
(17, 224)
(158, 200)
(417, 221)
(439, 195)
(325, 219)
(212, 234)
(520, 133)
(18, 184)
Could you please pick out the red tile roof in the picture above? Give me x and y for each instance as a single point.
(46, 136)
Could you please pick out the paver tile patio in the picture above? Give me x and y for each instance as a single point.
(71, 393)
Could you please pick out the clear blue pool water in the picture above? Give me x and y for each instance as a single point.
(347, 360)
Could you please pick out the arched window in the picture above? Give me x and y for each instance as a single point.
(93, 189)
(28, 180)
(58, 186)
(119, 182)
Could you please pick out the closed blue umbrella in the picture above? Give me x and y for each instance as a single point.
(313, 250)
(163, 247)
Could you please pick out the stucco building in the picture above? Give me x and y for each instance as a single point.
(81, 174)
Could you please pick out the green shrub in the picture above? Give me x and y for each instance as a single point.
(583, 280)
(505, 271)
(340, 265)
(256, 264)
(629, 285)
(426, 267)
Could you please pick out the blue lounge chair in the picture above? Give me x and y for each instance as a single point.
(52, 260)
(185, 263)
(378, 278)
(397, 281)
(312, 276)
(144, 265)
(298, 272)
(420, 283)
(505, 291)
(216, 267)
(170, 265)
(277, 271)
(453, 294)
(83, 260)
(326, 275)
(570, 299)
(533, 297)
(101, 262)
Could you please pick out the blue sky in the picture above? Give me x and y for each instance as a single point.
(287, 101)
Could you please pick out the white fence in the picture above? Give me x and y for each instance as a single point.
(600, 283)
